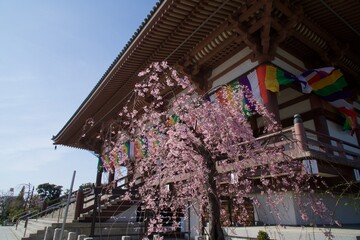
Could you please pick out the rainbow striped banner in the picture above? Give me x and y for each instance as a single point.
(328, 83)
(140, 147)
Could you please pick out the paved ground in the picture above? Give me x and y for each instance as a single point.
(7, 234)
(298, 233)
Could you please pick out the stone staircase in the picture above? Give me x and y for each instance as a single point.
(114, 218)
(34, 229)
(115, 210)
(121, 217)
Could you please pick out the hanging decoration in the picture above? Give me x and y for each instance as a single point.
(328, 83)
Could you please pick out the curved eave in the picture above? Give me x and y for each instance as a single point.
(170, 33)
(203, 33)
(58, 138)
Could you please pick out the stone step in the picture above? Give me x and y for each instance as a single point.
(117, 237)
(20, 229)
(53, 220)
(110, 230)
(18, 233)
(166, 236)
(110, 211)
(35, 227)
(88, 219)
(38, 235)
(30, 229)
(116, 229)
(113, 209)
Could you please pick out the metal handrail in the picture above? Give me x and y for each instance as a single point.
(51, 208)
(25, 215)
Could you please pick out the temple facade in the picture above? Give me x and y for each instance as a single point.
(313, 45)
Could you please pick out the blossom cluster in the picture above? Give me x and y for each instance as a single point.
(210, 151)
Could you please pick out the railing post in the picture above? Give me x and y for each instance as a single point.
(96, 201)
(300, 135)
(79, 203)
(340, 146)
(357, 135)
(25, 226)
(44, 205)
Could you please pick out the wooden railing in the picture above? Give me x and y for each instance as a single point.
(300, 142)
(104, 193)
(331, 146)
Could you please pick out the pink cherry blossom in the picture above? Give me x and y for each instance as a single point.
(194, 159)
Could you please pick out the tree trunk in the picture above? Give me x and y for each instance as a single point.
(215, 230)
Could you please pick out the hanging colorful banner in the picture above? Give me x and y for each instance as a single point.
(328, 83)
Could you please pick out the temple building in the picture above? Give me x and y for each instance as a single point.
(309, 47)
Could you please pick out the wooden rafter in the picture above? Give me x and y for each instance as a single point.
(246, 37)
(265, 33)
(284, 30)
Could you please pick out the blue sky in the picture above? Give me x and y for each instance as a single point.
(52, 54)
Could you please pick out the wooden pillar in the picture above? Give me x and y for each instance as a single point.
(230, 209)
(97, 190)
(95, 212)
(111, 176)
(99, 172)
(357, 134)
(272, 105)
(253, 123)
(79, 203)
(319, 118)
(299, 133)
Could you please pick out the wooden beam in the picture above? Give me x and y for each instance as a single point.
(226, 26)
(336, 50)
(323, 53)
(247, 12)
(202, 80)
(200, 76)
(284, 31)
(246, 37)
(294, 101)
(283, 8)
(265, 33)
(218, 49)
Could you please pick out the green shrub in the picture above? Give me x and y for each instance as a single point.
(262, 236)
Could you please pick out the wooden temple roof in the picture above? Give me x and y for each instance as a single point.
(199, 35)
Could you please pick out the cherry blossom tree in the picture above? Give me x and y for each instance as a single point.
(188, 148)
